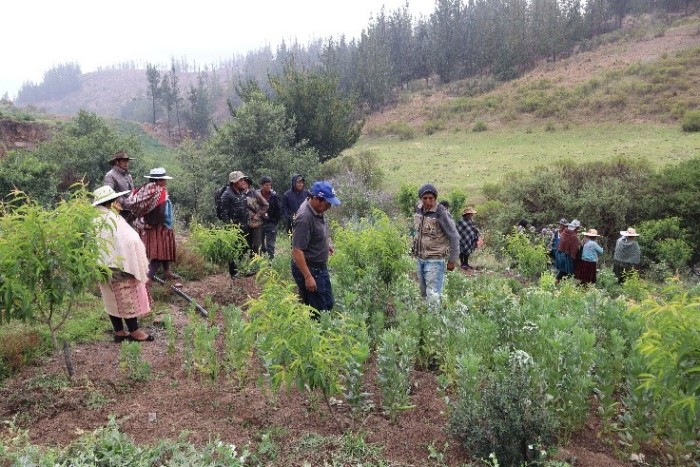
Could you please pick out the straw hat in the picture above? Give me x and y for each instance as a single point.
(591, 233)
(630, 232)
(106, 193)
(469, 210)
(158, 174)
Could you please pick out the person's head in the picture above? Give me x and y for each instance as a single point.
(428, 196)
(265, 184)
(630, 234)
(563, 223)
(158, 176)
(299, 183)
(468, 212)
(591, 234)
(121, 160)
(106, 196)
(574, 225)
(322, 196)
(239, 180)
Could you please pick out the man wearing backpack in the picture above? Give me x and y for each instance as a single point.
(235, 207)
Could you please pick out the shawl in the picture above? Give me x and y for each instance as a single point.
(468, 235)
(568, 243)
(627, 251)
(146, 198)
(125, 250)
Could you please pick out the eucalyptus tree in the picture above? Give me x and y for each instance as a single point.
(153, 76)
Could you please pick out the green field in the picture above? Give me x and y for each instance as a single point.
(467, 160)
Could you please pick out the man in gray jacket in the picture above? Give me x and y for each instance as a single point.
(120, 180)
(435, 239)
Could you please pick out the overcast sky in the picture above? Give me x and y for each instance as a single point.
(36, 35)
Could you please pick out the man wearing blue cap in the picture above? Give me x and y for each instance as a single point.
(435, 238)
(311, 246)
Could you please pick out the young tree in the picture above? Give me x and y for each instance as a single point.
(324, 118)
(153, 76)
(48, 258)
(199, 115)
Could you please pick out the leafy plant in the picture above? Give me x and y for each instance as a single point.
(47, 259)
(530, 259)
(132, 364)
(218, 244)
(237, 344)
(170, 332)
(691, 121)
(396, 355)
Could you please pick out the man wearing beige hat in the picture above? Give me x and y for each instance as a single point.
(120, 180)
(237, 205)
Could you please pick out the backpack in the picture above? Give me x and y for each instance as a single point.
(218, 205)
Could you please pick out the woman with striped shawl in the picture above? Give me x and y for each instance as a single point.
(468, 237)
(153, 210)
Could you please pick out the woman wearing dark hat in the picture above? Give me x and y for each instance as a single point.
(567, 250)
(151, 206)
(125, 296)
(120, 180)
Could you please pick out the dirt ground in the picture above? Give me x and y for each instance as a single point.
(170, 402)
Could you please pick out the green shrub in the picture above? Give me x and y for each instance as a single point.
(433, 126)
(132, 364)
(479, 126)
(407, 198)
(218, 244)
(691, 121)
(507, 416)
(665, 241)
(530, 259)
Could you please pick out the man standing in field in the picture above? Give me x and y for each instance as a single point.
(271, 218)
(292, 199)
(435, 238)
(311, 247)
(120, 180)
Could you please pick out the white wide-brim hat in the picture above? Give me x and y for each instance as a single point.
(158, 174)
(106, 193)
(629, 233)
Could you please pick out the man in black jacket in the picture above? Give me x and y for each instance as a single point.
(236, 209)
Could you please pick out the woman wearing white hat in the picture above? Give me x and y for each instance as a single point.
(151, 206)
(587, 267)
(627, 255)
(125, 296)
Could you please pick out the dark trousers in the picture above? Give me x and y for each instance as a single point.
(132, 324)
(322, 298)
(269, 234)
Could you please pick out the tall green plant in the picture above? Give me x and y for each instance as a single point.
(48, 258)
(218, 245)
(530, 258)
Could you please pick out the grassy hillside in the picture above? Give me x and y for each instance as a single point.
(623, 97)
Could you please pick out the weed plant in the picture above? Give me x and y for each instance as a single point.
(171, 333)
(396, 355)
(529, 258)
(132, 364)
(218, 244)
(236, 343)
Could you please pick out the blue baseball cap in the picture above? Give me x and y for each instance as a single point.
(325, 191)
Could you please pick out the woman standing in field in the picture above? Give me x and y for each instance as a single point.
(151, 206)
(567, 250)
(587, 267)
(627, 255)
(124, 295)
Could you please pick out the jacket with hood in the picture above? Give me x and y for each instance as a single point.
(292, 199)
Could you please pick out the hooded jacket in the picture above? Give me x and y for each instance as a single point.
(292, 199)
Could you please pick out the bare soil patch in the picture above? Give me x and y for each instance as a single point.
(172, 402)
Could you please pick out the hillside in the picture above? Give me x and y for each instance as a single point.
(634, 75)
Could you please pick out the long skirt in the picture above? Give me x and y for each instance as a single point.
(564, 263)
(126, 298)
(586, 271)
(160, 243)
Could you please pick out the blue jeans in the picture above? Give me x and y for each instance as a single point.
(431, 277)
(322, 298)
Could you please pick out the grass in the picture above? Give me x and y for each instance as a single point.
(467, 160)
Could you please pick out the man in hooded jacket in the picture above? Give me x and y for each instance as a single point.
(292, 199)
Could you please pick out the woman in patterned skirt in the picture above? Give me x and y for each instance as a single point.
(153, 210)
(124, 295)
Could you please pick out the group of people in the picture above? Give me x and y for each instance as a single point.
(579, 258)
(139, 241)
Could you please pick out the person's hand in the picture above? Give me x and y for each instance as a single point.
(310, 284)
(450, 266)
(480, 243)
(331, 250)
